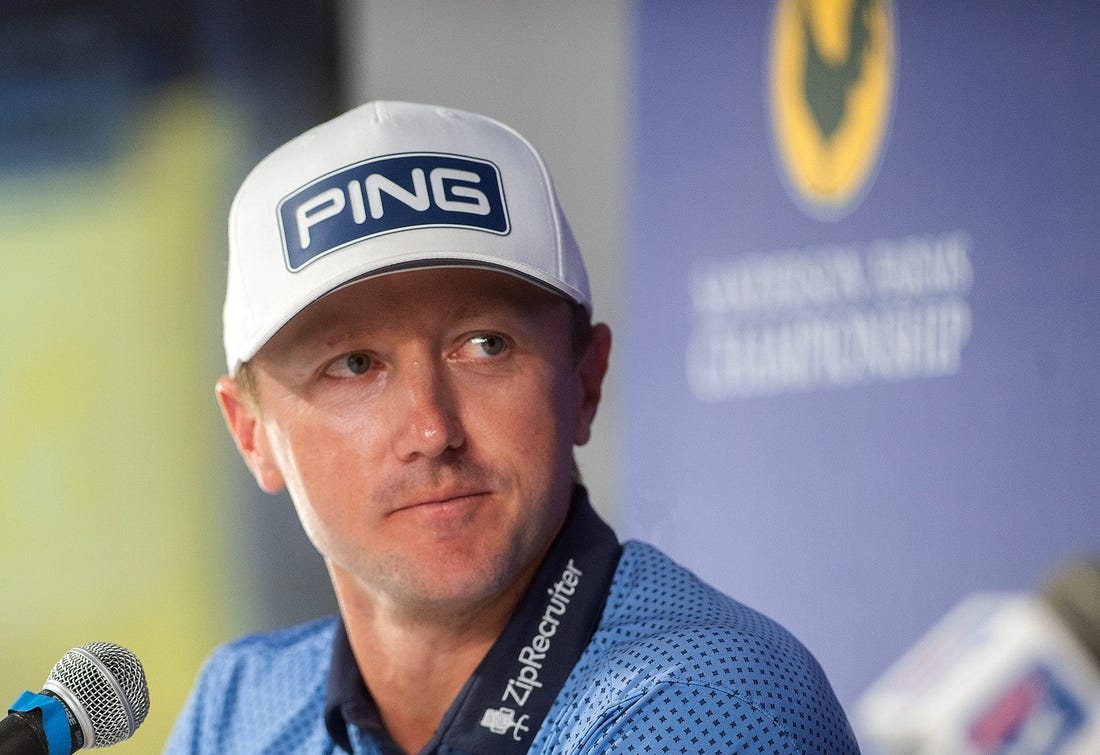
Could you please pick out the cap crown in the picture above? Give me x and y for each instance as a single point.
(386, 187)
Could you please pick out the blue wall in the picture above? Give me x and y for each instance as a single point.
(849, 413)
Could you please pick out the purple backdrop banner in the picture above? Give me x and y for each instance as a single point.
(863, 342)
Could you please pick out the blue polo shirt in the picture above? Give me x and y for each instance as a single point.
(612, 654)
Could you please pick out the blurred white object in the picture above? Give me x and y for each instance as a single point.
(1000, 674)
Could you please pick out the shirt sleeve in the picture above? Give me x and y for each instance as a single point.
(260, 694)
(186, 737)
(677, 717)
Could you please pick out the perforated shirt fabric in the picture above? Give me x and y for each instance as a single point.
(674, 666)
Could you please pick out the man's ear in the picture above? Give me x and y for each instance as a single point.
(242, 419)
(591, 370)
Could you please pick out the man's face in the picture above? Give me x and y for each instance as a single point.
(424, 424)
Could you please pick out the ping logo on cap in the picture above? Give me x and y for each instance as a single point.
(390, 194)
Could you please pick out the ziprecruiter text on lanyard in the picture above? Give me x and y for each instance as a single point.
(503, 704)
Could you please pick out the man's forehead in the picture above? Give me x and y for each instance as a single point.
(391, 300)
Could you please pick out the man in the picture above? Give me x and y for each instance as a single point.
(410, 353)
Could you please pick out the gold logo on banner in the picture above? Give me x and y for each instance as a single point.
(830, 82)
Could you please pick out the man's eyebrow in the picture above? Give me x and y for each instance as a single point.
(473, 309)
(321, 335)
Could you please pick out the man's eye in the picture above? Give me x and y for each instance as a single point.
(355, 363)
(490, 343)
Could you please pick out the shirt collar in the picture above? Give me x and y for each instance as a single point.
(347, 699)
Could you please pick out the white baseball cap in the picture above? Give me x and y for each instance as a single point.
(386, 187)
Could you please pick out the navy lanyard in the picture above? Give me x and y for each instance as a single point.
(504, 703)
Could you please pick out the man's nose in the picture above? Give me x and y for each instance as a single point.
(427, 423)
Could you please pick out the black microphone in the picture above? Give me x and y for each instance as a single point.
(95, 696)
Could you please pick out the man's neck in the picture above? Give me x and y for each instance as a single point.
(415, 664)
